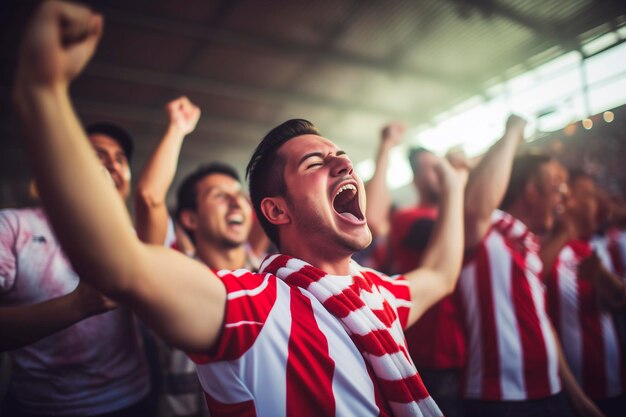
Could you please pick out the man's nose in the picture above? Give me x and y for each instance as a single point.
(341, 166)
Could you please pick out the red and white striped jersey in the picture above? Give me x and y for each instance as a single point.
(587, 331)
(281, 353)
(512, 352)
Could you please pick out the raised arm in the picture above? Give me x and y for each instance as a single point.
(23, 325)
(151, 214)
(164, 287)
(441, 264)
(488, 181)
(378, 197)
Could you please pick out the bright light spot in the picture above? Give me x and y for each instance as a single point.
(608, 116)
(365, 169)
(600, 43)
(587, 124)
(399, 173)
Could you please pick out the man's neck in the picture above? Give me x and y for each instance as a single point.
(219, 257)
(333, 264)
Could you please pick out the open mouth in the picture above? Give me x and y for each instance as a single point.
(346, 203)
(234, 219)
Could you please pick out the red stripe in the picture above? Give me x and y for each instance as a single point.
(593, 366)
(235, 341)
(535, 357)
(490, 354)
(554, 296)
(618, 263)
(376, 342)
(309, 366)
(397, 390)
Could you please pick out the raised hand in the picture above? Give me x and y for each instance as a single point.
(391, 134)
(183, 115)
(57, 44)
(516, 125)
(451, 177)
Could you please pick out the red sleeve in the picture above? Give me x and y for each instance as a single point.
(250, 298)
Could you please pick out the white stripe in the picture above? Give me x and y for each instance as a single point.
(251, 292)
(245, 378)
(362, 322)
(352, 386)
(391, 366)
(268, 261)
(393, 300)
(508, 338)
(426, 408)
(473, 322)
(329, 286)
(238, 272)
(568, 312)
(537, 291)
(611, 355)
(243, 322)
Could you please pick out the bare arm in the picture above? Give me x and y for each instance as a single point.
(378, 197)
(488, 182)
(441, 264)
(23, 325)
(164, 287)
(151, 214)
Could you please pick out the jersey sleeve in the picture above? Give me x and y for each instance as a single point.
(249, 300)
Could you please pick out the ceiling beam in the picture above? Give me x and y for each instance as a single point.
(188, 83)
(221, 130)
(298, 50)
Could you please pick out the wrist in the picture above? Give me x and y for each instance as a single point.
(26, 94)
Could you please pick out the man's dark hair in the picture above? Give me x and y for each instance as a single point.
(576, 173)
(525, 169)
(115, 132)
(187, 197)
(413, 160)
(266, 168)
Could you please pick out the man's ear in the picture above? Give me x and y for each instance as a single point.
(275, 211)
(188, 219)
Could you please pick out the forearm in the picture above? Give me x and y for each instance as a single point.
(441, 265)
(378, 197)
(151, 214)
(86, 212)
(158, 174)
(487, 184)
(444, 252)
(24, 325)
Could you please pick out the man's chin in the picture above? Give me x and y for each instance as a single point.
(231, 243)
(360, 242)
